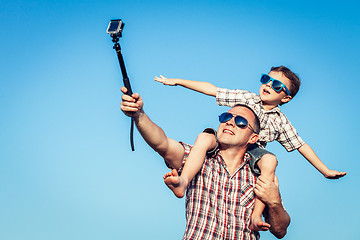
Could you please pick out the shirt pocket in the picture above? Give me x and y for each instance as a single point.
(247, 196)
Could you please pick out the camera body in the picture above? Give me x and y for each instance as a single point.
(115, 27)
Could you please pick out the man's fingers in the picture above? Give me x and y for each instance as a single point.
(265, 226)
(276, 181)
(261, 181)
(136, 96)
(130, 105)
(123, 89)
(127, 98)
(133, 98)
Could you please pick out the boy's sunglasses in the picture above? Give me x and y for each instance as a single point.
(240, 121)
(276, 84)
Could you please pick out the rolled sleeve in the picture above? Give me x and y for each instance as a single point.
(187, 149)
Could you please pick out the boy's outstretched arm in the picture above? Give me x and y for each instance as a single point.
(202, 87)
(310, 155)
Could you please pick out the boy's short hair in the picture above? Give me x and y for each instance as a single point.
(294, 79)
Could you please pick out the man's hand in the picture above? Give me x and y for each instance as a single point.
(268, 191)
(165, 81)
(131, 105)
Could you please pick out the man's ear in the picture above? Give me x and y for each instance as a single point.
(286, 99)
(253, 139)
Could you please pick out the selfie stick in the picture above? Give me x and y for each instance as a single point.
(126, 81)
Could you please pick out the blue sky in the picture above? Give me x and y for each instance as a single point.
(66, 168)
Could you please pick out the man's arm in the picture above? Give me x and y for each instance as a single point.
(268, 192)
(171, 150)
(311, 156)
(202, 87)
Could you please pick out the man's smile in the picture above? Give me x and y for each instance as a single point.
(228, 131)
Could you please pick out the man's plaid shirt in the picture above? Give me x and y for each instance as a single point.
(219, 205)
(274, 125)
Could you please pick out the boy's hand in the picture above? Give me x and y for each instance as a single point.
(165, 81)
(333, 174)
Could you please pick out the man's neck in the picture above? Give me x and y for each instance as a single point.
(233, 157)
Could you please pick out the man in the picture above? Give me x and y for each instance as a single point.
(221, 197)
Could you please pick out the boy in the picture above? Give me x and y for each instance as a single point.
(278, 87)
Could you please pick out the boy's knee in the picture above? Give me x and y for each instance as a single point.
(268, 161)
(207, 140)
(269, 157)
(206, 137)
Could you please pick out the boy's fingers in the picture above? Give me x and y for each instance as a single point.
(159, 79)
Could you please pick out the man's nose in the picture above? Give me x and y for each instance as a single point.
(231, 122)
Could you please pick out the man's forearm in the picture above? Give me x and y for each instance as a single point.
(268, 192)
(155, 137)
(278, 218)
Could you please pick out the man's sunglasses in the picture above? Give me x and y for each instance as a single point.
(275, 84)
(240, 121)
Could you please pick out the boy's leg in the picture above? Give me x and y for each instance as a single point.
(194, 161)
(267, 165)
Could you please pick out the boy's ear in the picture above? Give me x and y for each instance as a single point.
(286, 99)
(253, 139)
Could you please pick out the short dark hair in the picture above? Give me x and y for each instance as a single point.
(256, 119)
(294, 79)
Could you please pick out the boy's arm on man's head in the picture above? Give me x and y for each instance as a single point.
(202, 87)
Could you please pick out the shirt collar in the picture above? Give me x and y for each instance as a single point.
(275, 109)
(220, 158)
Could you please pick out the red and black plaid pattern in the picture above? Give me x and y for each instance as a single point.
(274, 125)
(219, 205)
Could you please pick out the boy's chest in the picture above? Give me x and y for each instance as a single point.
(270, 128)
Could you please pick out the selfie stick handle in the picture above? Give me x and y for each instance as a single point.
(126, 83)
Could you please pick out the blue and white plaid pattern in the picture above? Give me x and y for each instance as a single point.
(219, 205)
(274, 125)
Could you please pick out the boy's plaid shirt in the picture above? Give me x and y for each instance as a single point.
(219, 205)
(274, 125)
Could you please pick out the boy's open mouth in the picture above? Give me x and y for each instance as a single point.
(265, 91)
